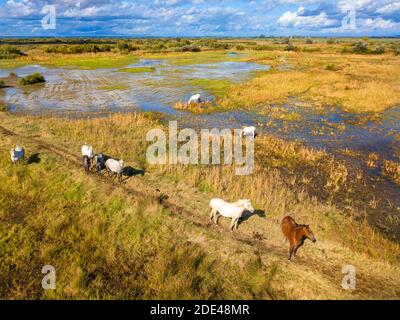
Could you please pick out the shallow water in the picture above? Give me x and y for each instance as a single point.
(82, 91)
(86, 90)
(331, 128)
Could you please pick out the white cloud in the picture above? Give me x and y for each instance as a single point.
(298, 20)
(389, 8)
(345, 5)
(18, 8)
(197, 17)
(380, 23)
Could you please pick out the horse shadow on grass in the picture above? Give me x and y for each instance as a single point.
(247, 215)
(34, 158)
(130, 172)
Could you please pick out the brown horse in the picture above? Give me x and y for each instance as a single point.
(296, 234)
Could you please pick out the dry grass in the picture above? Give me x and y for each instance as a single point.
(194, 107)
(256, 268)
(360, 84)
(372, 160)
(392, 170)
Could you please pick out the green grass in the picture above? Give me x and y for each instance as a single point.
(103, 244)
(14, 63)
(137, 70)
(83, 61)
(190, 58)
(92, 62)
(106, 243)
(217, 87)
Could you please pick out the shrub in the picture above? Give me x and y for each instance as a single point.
(124, 47)
(262, 47)
(360, 47)
(214, 44)
(331, 41)
(186, 42)
(12, 75)
(309, 41)
(379, 50)
(191, 48)
(9, 52)
(240, 47)
(157, 47)
(2, 84)
(81, 48)
(290, 47)
(331, 67)
(397, 51)
(32, 79)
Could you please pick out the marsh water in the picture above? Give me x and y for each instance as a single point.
(91, 92)
(118, 89)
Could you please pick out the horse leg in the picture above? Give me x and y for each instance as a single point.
(216, 217)
(296, 248)
(291, 252)
(212, 214)
(236, 223)
(232, 224)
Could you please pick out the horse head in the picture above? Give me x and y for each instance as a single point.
(308, 233)
(246, 204)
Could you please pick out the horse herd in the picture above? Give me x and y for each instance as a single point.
(293, 232)
(100, 161)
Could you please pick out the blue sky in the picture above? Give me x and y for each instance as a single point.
(202, 18)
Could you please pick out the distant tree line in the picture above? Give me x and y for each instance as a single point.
(156, 45)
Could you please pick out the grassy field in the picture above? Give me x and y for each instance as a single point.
(217, 87)
(112, 241)
(80, 61)
(359, 83)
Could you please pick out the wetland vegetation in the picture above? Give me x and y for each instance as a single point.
(328, 153)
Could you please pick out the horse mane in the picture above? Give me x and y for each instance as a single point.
(299, 227)
(238, 203)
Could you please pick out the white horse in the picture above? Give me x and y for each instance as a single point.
(249, 131)
(229, 210)
(87, 150)
(17, 154)
(115, 167)
(195, 98)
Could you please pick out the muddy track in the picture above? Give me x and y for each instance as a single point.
(257, 244)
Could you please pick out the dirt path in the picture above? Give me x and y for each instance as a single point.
(327, 269)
